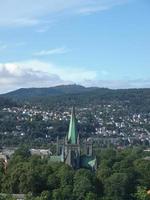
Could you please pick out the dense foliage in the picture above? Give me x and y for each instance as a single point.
(138, 99)
(7, 102)
(121, 175)
(62, 96)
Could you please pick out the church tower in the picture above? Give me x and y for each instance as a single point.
(73, 136)
(72, 144)
(69, 150)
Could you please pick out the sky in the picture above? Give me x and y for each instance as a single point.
(104, 43)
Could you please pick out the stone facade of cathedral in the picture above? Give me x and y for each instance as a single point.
(69, 151)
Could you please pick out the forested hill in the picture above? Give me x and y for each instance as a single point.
(137, 99)
(27, 93)
(6, 102)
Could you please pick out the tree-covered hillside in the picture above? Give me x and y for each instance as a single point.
(7, 102)
(28, 93)
(137, 99)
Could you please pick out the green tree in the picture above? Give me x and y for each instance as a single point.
(117, 186)
(82, 186)
(142, 167)
(141, 193)
(91, 196)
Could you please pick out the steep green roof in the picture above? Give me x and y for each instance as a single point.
(88, 162)
(72, 134)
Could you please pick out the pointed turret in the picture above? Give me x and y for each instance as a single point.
(72, 134)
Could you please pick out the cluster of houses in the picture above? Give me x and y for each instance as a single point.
(107, 121)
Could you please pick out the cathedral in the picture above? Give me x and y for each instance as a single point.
(69, 151)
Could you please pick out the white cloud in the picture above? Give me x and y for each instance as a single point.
(61, 50)
(15, 22)
(118, 84)
(92, 9)
(69, 73)
(42, 29)
(32, 12)
(35, 73)
(24, 22)
(16, 75)
(97, 6)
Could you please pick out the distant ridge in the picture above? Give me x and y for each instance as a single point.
(26, 93)
(68, 95)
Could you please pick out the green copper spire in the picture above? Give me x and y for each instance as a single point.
(72, 134)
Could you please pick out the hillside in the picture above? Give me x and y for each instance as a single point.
(27, 93)
(68, 95)
(6, 102)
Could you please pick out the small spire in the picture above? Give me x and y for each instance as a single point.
(72, 134)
